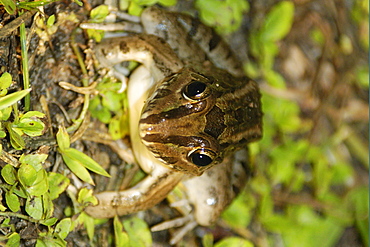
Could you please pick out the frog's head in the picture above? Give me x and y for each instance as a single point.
(192, 121)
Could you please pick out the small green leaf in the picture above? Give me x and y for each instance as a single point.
(5, 81)
(239, 213)
(12, 201)
(138, 232)
(9, 6)
(225, 16)
(34, 207)
(40, 243)
(85, 196)
(12, 98)
(120, 237)
(63, 228)
(74, 164)
(359, 198)
(119, 126)
(48, 206)
(32, 114)
(16, 140)
(234, 242)
(51, 20)
(40, 186)
(63, 138)
(88, 222)
(207, 240)
(31, 127)
(5, 113)
(2, 208)
(34, 160)
(27, 175)
(49, 222)
(14, 240)
(9, 174)
(99, 13)
(57, 184)
(112, 101)
(86, 161)
(167, 3)
(278, 22)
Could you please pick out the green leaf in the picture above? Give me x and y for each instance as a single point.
(48, 206)
(63, 228)
(119, 126)
(5, 113)
(40, 186)
(14, 240)
(99, 13)
(16, 140)
(49, 222)
(9, 6)
(86, 197)
(31, 127)
(207, 240)
(40, 243)
(167, 3)
(121, 238)
(234, 242)
(63, 138)
(12, 201)
(239, 214)
(138, 232)
(86, 161)
(98, 111)
(5, 81)
(34, 207)
(112, 100)
(74, 164)
(27, 175)
(359, 198)
(32, 114)
(12, 98)
(9, 174)
(88, 222)
(51, 20)
(225, 16)
(57, 184)
(34, 160)
(278, 22)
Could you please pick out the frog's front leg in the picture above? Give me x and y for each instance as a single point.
(146, 194)
(151, 51)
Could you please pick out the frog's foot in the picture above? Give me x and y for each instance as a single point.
(186, 224)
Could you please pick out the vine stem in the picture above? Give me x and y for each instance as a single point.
(21, 216)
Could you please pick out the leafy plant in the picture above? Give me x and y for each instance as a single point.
(77, 161)
(225, 16)
(29, 187)
(29, 123)
(110, 107)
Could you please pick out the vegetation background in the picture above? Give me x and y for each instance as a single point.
(310, 171)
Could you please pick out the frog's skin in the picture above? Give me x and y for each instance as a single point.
(191, 110)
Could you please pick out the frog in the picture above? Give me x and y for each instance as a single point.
(192, 114)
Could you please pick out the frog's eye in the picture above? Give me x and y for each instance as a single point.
(201, 157)
(195, 90)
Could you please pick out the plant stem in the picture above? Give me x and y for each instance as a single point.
(24, 54)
